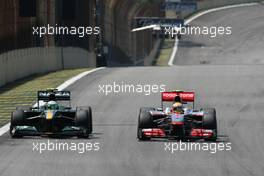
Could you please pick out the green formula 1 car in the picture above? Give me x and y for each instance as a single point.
(49, 117)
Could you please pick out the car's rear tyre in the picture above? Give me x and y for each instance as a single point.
(90, 117)
(84, 119)
(17, 119)
(210, 122)
(90, 120)
(145, 120)
(146, 109)
(24, 108)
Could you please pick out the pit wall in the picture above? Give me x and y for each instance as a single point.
(21, 63)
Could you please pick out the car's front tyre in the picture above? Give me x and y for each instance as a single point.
(17, 119)
(210, 122)
(83, 119)
(145, 120)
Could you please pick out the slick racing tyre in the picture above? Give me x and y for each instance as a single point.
(147, 109)
(210, 122)
(90, 117)
(84, 119)
(23, 108)
(145, 120)
(17, 119)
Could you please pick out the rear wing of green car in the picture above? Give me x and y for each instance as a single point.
(54, 96)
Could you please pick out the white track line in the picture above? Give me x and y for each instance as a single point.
(174, 52)
(175, 48)
(76, 78)
(4, 129)
(66, 84)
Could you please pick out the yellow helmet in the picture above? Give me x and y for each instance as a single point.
(177, 107)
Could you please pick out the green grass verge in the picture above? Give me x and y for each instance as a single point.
(24, 92)
(165, 52)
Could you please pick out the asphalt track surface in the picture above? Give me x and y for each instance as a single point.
(231, 81)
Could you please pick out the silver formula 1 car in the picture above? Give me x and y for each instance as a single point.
(179, 121)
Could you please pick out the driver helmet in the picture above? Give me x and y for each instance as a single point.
(177, 108)
(52, 105)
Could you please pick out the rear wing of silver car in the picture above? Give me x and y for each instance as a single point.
(170, 97)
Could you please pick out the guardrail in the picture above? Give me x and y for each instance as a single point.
(21, 63)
